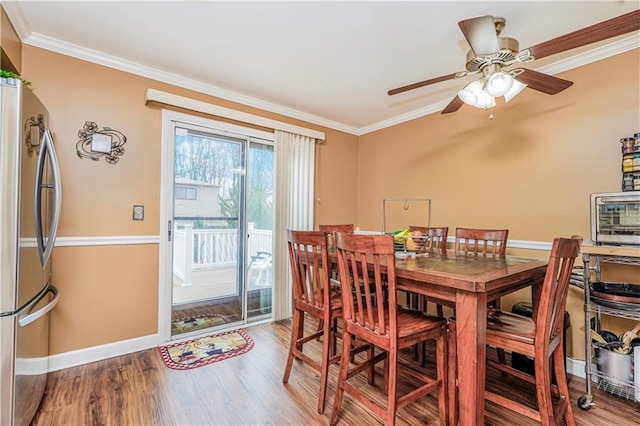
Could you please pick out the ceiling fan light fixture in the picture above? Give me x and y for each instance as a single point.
(485, 100)
(499, 83)
(469, 95)
(516, 88)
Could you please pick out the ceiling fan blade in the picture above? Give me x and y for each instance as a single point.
(543, 82)
(481, 34)
(620, 25)
(453, 106)
(421, 84)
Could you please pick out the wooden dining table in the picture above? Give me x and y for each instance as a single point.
(468, 282)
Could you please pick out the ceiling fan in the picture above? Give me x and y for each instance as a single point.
(491, 55)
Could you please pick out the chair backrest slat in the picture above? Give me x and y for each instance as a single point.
(307, 254)
(367, 266)
(482, 241)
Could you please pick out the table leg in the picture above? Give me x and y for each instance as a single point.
(471, 324)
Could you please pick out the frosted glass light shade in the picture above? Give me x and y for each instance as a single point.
(469, 95)
(485, 100)
(499, 83)
(516, 88)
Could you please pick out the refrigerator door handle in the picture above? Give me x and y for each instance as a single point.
(45, 248)
(29, 317)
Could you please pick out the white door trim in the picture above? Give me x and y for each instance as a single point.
(166, 194)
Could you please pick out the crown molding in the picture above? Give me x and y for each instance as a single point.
(411, 115)
(620, 46)
(623, 45)
(14, 12)
(96, 57)
(38, 40)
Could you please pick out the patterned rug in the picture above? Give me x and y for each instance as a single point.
(206, 350)
(196, 323)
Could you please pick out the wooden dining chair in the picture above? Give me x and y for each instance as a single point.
(330, 229)
(433, 239)
(481, 241)
(362, 260)
(486, 242)
(333, 271)
(314, 296)
(540, 337)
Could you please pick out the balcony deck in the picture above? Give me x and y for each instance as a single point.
(206, 283)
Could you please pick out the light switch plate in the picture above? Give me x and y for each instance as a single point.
(138, 212)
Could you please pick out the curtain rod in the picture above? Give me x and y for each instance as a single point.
(158, 96)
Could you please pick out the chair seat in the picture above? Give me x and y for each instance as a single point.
(411, 322)
(511, 326)
(515, 332)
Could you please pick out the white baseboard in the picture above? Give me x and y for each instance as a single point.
(31, 366)
(576, 367)
(98, 353)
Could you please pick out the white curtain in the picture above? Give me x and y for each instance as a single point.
(294, 182)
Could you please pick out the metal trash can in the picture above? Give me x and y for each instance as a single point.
(525, 363)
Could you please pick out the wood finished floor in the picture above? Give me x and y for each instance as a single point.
(137, 389)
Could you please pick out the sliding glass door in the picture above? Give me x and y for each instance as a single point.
(260, 230)
(221, 224)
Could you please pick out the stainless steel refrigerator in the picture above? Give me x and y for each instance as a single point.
(30, 200)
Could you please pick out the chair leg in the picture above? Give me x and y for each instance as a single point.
(320, 326)
(297, 326)
(371, 376)
(442, 374)
(327, 343)
(386, 375)
(333, 334)
(543, 391)
(452, 373)
(563, 388)
(422, 353)
(392, 383)
(502, 358)
(342, 377)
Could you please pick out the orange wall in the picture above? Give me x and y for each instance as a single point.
(98, 284)
(10, 42)
(530, 169)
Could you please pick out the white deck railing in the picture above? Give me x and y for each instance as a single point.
(195, 249)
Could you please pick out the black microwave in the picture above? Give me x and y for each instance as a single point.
(615, 217)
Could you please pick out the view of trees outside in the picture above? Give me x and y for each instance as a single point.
(261, 161)
(219, 161)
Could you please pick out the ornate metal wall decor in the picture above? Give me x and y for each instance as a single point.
(94, 143)
(33, 130)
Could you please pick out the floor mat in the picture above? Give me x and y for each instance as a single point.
(206, 350)
(187, 325)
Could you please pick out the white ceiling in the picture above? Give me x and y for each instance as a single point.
(329, 63)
